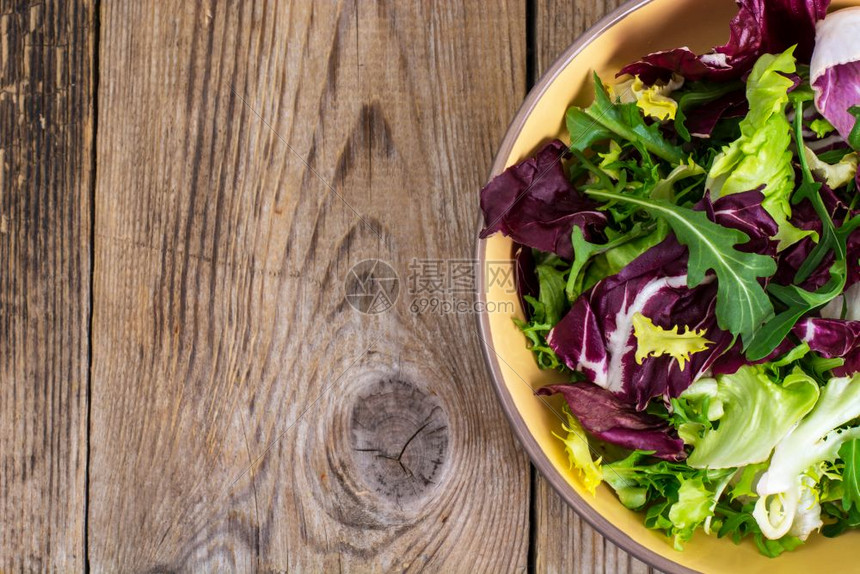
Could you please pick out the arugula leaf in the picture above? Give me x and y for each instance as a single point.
(843, 520)
(604, 119)
(741, 524)
(772, 334)
(584, 130)
(614, 176)
(742, 304)
(854, 136)
(834, 155)
(849, 452)
(584, 252)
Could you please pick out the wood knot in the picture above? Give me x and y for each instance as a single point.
(399, 437)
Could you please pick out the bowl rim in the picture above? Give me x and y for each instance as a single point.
(606, 528)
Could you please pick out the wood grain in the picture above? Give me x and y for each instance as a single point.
(565, 542)
(46, 133)
(558, 24)
(244, 416)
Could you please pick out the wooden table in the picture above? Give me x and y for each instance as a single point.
(185, 186)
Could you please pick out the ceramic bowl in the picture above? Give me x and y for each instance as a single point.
(633, 30)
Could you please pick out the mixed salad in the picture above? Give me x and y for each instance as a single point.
(689, 262)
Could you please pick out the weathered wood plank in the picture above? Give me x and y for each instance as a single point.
(558, 24)
(564, 542)
(46, 136)
(244, 416)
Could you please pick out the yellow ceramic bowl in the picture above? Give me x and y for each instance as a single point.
(635, 29)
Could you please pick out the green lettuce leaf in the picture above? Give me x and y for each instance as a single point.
(536, 333)
(757, 414)
(696, 408)
(821, 127)
(665, 188)
(744, 484)
(694, 505)
(834, 175)
(762, 155)
(636, 482)
(818, 437)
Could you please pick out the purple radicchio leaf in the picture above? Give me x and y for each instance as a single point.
(596, 337)
(525, 276)
(534, 203)
(761, 26)
(836, 90)
(606, 417)
(732, 360)
(832, 338)
(743, 211)
(702, 122)
(835, 68)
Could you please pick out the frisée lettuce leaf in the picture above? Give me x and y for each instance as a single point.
(676, 498)
(579, 453)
